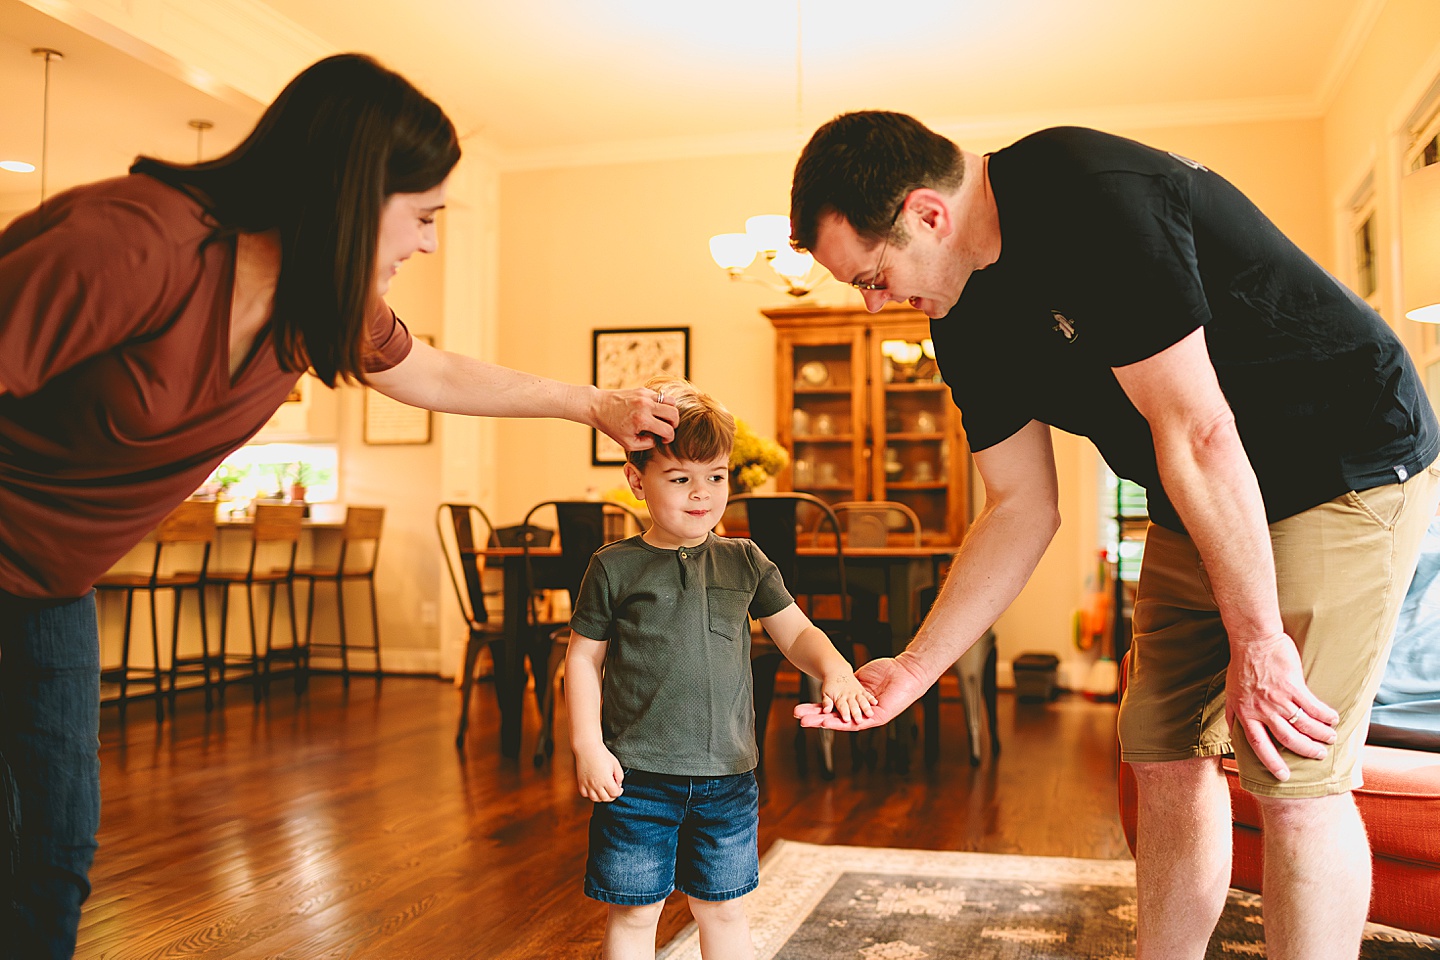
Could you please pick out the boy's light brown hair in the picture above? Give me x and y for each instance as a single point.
(706, 429)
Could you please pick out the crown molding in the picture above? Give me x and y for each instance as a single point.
(1347, 50)
(648, 150)
(239, 51)
(1135, 117)
(1253, 110)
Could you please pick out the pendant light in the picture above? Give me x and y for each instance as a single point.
(49, 55)
(200, 126)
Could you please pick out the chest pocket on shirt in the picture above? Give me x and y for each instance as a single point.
(729, 612)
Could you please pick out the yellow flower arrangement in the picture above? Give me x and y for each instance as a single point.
(754, 459)
(624, 496)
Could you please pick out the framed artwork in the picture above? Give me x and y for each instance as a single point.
(389, 421)
(291, 421)
(625, 358)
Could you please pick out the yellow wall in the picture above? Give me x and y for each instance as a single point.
(404, 480)
(625, 245)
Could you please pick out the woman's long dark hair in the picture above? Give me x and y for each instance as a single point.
(341, 137)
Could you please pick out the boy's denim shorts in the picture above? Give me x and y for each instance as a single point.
(698, 835)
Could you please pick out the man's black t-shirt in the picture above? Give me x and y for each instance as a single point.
(1112, 251)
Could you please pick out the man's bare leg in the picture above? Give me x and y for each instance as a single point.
(1317, 878)
(1182, 856)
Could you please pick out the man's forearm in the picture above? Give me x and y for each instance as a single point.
(992, 566)
(1208, 477)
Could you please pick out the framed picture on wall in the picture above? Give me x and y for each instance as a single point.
(389, 421)
(625, 358)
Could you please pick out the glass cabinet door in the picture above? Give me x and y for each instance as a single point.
(826, 378)
(865, 416)
(913, 432)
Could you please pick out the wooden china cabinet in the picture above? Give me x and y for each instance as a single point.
(864, 415)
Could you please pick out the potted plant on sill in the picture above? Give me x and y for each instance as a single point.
(300, 475)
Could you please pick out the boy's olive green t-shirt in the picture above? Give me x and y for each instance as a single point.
(677, 687)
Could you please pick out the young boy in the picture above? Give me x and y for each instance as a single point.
(665, 742)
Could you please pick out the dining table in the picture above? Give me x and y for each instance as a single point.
(897, 572)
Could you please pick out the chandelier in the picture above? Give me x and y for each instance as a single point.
(767, 236)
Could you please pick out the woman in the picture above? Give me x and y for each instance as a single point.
(151, 324)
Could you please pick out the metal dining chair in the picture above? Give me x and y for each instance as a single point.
(777, 522)
(191, 524)
(873, 523)
(975, 671)
(878, 523)
(584, 526)
(464, 531)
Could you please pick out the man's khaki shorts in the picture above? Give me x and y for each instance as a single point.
(1342, 570)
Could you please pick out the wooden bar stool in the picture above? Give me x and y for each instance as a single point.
(276, 527)
(359, 551)
(192, 522)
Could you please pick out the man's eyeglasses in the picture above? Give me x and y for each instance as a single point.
(874, 282)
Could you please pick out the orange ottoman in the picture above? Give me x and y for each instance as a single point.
(1400, 804)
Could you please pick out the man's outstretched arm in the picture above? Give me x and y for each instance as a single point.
(993, 564)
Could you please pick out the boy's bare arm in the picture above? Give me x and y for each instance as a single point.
(597, 771)
(807, 646)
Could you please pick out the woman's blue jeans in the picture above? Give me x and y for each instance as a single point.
(49, 770)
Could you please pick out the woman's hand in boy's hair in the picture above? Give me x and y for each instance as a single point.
(599, 774)
(636, 419)
(843, 696)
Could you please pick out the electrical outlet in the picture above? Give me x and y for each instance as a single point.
(429, 616)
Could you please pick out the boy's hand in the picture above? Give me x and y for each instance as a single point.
(599, 774)
(843, 695)
(896, 684)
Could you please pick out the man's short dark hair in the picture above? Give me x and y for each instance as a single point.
(862, 166)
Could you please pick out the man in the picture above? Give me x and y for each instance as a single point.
(1079, 280)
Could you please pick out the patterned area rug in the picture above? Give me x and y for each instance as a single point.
(868, 903)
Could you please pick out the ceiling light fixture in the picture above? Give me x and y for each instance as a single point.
(768, 235)
(49, 55)
(200, 126)
(17, 166)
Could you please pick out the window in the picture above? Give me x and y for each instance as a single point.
(1365, 281)
(266, 470)
(1424, 151)
(1126, 511)
(1364, 239)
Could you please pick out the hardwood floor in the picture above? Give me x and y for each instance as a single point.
(346, 825)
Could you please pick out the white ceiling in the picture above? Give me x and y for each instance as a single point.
(540, 78)
(105, 108)
(564, 81)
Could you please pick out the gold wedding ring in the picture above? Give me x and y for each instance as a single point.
(1298, 715)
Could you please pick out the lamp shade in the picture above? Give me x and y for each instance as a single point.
(769, 232)
(733, 251)
(792, 264)
(1420, 243)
